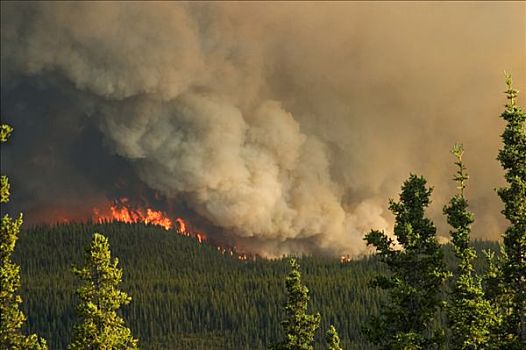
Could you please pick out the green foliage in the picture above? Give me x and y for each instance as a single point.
(470, 315)
(417, 271)
(4, 189)
(332, 338)
(100, 326)
(5, 132)
(300, 327)
(12, 318)
(513, 263)
(188, 295)
(495, 293)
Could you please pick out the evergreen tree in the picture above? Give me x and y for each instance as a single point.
(100, 326)
(417, 271)
(299, 326)
(495, 293)
(513, 262)
(470, 315)
(12, 318)
(332, 338)
(5, 131)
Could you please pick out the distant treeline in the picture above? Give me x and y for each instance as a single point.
(188, 295)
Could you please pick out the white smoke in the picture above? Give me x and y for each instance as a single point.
(184, 102)
(256, 176)
(253, 114)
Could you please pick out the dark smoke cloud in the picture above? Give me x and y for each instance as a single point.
(283, 126)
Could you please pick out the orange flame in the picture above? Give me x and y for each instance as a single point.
(158, 218)
(181, 225)
(122, 213)
(344, 259)
(200, 237)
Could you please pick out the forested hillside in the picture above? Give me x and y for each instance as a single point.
(188, 295)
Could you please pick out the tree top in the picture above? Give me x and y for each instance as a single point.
(511, 93)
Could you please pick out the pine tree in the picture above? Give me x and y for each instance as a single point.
(513, 262)
(332, 338)
(470, 315)
(417, 272)
(100, 326)
(299, 326)
(495, 293)
(12, 318)
(5, 132)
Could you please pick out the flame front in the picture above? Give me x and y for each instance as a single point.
(122, 213)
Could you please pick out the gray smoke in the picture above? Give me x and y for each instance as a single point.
(287, 126)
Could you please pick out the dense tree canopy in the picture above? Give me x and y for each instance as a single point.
(188, 295)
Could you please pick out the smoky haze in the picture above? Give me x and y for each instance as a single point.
(284, 126)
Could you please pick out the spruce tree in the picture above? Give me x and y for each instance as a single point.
(299, 326)
(100, 326)
(333, 340)
(513, 262)
(470, 315)
(417, 272)
(12, 318)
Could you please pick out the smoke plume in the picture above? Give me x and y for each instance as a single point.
(286, 127)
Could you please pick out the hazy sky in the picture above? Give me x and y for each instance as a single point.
(283, 126)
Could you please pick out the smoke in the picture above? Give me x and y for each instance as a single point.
(285, 127)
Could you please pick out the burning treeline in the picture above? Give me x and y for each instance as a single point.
(284, 126)
(122, 210)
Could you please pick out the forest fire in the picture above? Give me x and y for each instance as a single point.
(344, 259)
(121, 211)
(181, 226)
(183, 229)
